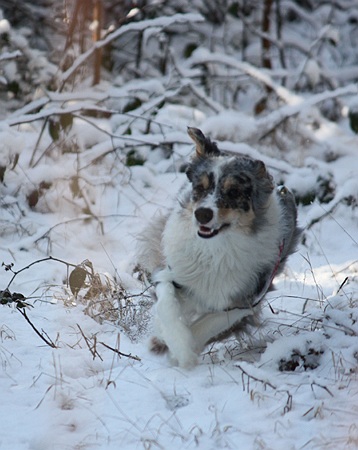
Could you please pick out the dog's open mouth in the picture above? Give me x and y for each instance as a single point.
(207, 233)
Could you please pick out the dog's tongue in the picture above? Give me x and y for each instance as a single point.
(207, 232)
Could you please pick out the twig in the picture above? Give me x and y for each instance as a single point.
(328, 212)
(49, 258)
(77, 219)
(288, 405)
(323, 215)
(342, 285)
(115, 350)
(265, 383)
(322, 387)
(91, 348)
(320, 294)
(48, 341)
(43, 127)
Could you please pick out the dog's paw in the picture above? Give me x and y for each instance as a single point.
(187, 360)
(157, 346)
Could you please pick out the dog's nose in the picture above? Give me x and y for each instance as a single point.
(204, 215)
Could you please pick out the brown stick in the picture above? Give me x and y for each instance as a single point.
(115, 350)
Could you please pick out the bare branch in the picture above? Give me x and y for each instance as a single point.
(49, 258)
(115, 350)
(48, 341)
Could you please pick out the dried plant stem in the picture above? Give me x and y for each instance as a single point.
(91, 348)
(288, 405)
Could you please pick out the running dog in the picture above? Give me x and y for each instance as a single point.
(214, 256)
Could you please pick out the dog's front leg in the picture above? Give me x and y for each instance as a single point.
(213, 324)
(171, 326)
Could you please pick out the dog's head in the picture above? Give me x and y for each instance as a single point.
(227, 191)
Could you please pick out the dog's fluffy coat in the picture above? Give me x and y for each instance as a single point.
(214, 256)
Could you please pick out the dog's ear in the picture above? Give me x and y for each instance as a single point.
(204, 146)
(266, 180)
(264, 184)
(189, 172)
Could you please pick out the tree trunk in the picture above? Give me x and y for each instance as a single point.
(265, 26)
(96, 36)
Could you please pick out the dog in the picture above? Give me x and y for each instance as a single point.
(214, 256)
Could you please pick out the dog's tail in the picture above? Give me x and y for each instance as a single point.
(290, 231)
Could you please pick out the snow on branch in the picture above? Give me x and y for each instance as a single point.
(274, 119)
(203, 56)
(43, 114)
(295, 103)
(161, 22)
(10, 55)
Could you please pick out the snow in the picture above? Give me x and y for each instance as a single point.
(293, 384)
(136, 26)
(4, 26)
(81, 394)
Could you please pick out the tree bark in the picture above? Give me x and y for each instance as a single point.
(96, 36)
(265, 26)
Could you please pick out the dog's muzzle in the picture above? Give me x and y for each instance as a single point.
(204, 216)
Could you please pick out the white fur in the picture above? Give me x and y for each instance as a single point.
(216, 269)
(178, 337)
(212, 272)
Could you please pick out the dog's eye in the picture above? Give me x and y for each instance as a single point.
(199, 189)
(232, 193)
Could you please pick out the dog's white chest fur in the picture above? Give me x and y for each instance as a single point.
(214, 257)
(216, 271)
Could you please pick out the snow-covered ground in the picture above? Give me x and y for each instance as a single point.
(299, 392)
(75, 370)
